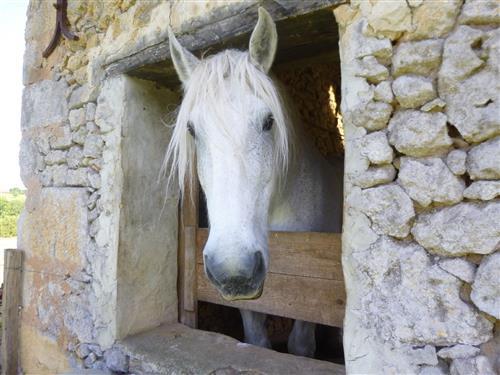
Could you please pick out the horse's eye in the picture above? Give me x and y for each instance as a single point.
(190, 128)
(268, 123)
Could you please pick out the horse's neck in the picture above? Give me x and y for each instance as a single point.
(311, 197)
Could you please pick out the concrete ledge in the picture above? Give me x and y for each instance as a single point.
(176, 348)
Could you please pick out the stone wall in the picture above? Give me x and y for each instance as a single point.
(420, 102)
(420, 109)
(87, 186)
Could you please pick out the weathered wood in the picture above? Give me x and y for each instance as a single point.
(229, 27)
(304, 281)
(190, 268)
(13, 260)
(308, 254)
(312, 299)
(188, 223)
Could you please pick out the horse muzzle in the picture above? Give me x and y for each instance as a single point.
(242, 283)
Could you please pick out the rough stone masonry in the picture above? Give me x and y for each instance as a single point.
(421, 110)
(421, 95)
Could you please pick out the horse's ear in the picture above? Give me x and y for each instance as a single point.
(184, 61)
(263, 41)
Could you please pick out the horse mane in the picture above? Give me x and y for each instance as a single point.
(206, 84)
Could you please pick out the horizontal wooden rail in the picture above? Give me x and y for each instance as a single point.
(304, 281)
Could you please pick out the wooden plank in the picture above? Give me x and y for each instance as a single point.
(220, 27)
(188, 306)
(13, 260)
(308, 254)
(190, 269)
(312, 299)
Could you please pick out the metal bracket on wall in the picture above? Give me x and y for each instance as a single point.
(61, 27)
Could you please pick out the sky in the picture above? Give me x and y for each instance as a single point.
(12, 23)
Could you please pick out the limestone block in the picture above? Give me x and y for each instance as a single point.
(371, 46)
(372, 116)
(483, 12)
(431, 21)
(389, 209)
(28, 159)
(459, 59)
(44, 103)
(471, 96)
(404, 292)
(434, 105)
(483, 161)
(383, 92)
(456, 161)
(79, 136)
(90, 111)
(440, 369)
(77, 177)
(483, 190)
(417, 133)
(413, 91)
(82, 94)
(479, 365)
(429, 180)
(55, 157)
(485, 289)
(460, 268)
(375, 176)
(372, 70)
(82, 350)
(94, 180)
(54, 175)
(423, 355)
(387, 19)
(56, 229)
(458, 351)
(48, 358)
(93, 146)
(75, 157)
(417, 57)
(376, 148)
(466, 228)
(90, 360)
(92, 128)
(116, 360)
(60, 138)
(76, 118)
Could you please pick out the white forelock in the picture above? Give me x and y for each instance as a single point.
(208, 85)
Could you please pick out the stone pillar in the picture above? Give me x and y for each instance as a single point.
(421, 222)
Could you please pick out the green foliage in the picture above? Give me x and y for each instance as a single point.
(16, 191)
(10, 208)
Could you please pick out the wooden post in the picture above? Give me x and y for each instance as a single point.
(188, 224)
(13, 260)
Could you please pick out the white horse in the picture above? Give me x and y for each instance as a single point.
(256, 168)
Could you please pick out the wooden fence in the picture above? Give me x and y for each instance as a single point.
(304, 281)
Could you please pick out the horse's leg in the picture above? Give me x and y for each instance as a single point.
(302, 339)
(254, 324)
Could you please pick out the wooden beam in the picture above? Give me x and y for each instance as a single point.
(13, 261)
(308, 254)
(188, 223)
(311, 299)
(223, 25)
(304, 281)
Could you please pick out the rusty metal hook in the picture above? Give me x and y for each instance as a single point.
(61, 27)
